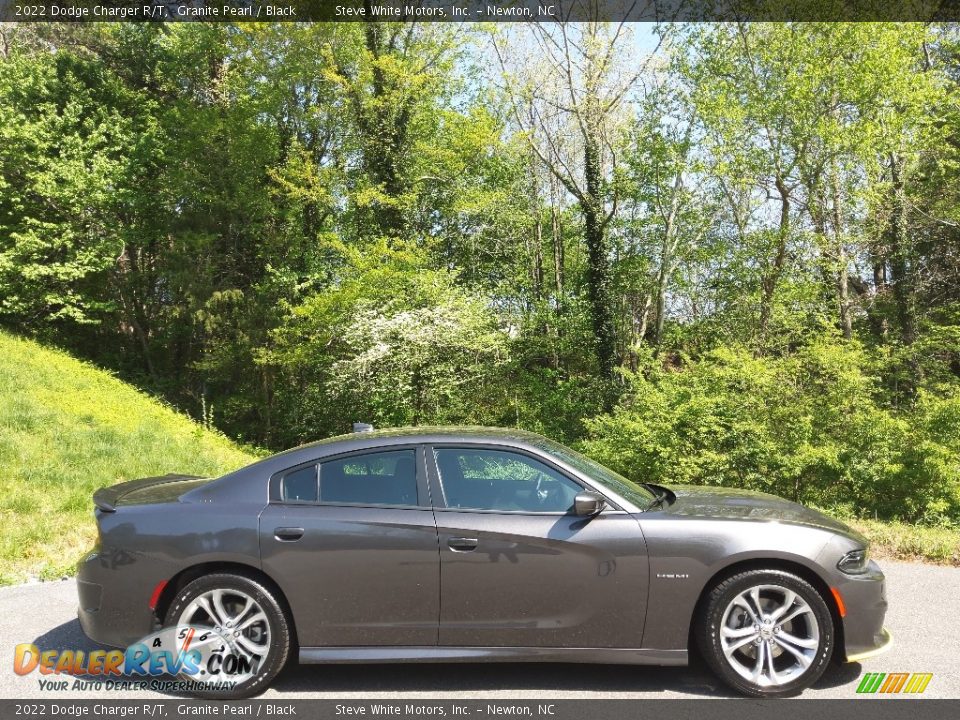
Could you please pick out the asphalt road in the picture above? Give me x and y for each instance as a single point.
(924, 600)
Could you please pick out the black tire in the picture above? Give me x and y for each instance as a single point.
(276, 620)
(708, 627)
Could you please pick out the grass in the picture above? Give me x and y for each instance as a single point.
(900, 541)
(68, 428)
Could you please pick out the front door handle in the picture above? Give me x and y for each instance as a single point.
(288, 534)
(461, 544)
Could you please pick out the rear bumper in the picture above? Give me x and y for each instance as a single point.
(113, 604)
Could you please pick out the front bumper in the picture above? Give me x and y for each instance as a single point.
(865, 599)
(886, 642)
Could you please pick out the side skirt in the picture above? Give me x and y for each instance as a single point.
(610, 656)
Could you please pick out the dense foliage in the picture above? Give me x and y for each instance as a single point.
(734, 258)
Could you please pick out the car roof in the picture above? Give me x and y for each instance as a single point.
(402, 435)
(434, 433)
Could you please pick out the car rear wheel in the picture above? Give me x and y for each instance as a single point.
(766, 633)
(244, 638)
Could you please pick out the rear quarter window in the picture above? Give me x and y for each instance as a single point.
(300, 485)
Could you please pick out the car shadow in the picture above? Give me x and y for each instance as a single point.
(520, 678)
(839, 674)
(70, 636)
(539, 678)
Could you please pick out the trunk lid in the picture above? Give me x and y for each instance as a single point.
(146, 491)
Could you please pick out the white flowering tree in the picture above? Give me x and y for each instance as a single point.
(427, 364)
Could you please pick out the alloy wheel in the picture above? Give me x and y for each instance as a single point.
(237, 618)
(769, 635)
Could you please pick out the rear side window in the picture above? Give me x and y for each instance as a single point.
(377, 478)
(300, 485)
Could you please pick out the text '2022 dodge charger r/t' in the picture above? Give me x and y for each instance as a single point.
(474, 544)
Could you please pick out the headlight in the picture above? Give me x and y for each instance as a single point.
(854, 562)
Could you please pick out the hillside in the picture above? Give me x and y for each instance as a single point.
(67, 428)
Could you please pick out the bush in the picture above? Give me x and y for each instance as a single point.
(808, 427)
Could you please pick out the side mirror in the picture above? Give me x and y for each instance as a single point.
(588, 503)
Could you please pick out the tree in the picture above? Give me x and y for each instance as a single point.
(66, 144)
(668, 208)
(428, 364)
(391, 85)
(569, 106)
(805, 111)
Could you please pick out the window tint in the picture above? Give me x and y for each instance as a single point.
(500, 480)
(381, 478)
(300, 485)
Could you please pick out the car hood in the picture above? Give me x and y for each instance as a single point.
(733, 504)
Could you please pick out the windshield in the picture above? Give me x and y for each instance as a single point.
(635, 493)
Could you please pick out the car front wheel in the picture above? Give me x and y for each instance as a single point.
(766, 633)
(239, 631)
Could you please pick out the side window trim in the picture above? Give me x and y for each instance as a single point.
(439, 495)
(423, 485)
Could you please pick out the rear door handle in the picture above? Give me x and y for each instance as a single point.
(288, 534)
(461, 544)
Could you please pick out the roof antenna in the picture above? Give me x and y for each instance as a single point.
(362, 427)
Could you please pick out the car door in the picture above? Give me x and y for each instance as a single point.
(352, 542)
(518, 568)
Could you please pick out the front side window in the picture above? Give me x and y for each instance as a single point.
(632, 491)
(481, 479)
(378, 478)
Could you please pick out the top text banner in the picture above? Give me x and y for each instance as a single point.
(476, 11)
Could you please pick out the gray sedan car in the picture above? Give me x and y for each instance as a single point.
(475, 544)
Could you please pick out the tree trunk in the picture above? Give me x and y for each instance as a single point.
(598, 271)
(266, 376)
(385, 135)
(645, 316)
(558, 254)
(878, 320)
(900, 279)
(772, 278)
(556, 233)
(535, 243)
(667, 249)
(133, 307)
(537, 268)
(843, 272)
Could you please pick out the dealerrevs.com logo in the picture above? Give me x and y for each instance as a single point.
(893, 683)
(199, 657)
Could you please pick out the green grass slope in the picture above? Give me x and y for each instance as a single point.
(68, 428)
